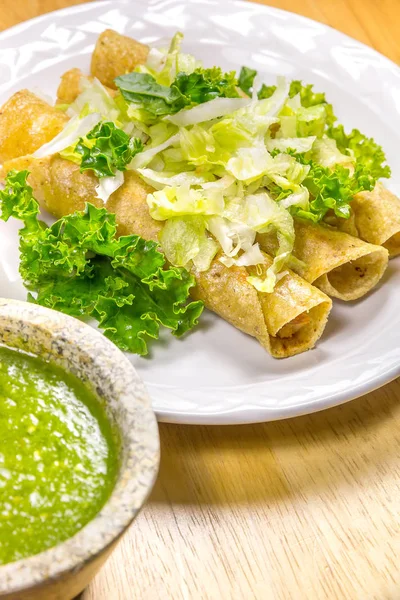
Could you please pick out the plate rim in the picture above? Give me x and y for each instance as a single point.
(242, 414)
(267, 8)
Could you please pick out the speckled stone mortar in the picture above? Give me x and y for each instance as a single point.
(60, 573)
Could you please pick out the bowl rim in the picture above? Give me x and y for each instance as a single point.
(140, 448)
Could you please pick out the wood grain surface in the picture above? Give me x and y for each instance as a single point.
(304, 509)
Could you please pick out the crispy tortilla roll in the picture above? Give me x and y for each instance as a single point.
(71, 86)
(114, 55)
(26, 123)
(286, 322)
(340, 265)
(375, 218)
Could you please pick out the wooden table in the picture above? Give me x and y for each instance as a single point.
(305, 509)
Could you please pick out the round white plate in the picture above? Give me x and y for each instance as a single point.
(217, 374)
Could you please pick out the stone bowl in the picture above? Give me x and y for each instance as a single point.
(63, 571)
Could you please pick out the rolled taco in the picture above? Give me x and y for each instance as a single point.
(286, 322)
(70, 86)
(375, 218)
(26, 123)
(339, 264)
(114, 55)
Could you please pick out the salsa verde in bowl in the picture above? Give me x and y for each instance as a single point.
(59, 455)
(79, 451)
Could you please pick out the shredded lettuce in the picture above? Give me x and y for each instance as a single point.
(185, 239)
(109, 185)
(233, 142)
(249, 164)
(299, 144)
(208, 249)
(75, 128)
(232, 236)
(285, 171)
(164, 65)
(199, 147)
(155, 62)
(80, 267)
(304, 96)
(326, 153)
(213, 109)
(243, 219)
(170, 68)
(264, 215)
(244, 126)
(94, 98)
(160, 180)
(309, 111)
(278, 155)
(183, 200)
(252, 256)
(142, 159)
(160, 133)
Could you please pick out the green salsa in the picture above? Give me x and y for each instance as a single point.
(58, 455)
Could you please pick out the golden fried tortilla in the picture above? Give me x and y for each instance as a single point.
(114, 55)
(339, 264)
(375, 218)
(26, 123)
(70, 86)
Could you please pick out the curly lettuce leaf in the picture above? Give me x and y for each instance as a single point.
(364, 149)
(246, 80)
(307, 95)
(107, 149)
(80, 267)
(16, 198)
(266, 91)
(332, 189)
(206, 84)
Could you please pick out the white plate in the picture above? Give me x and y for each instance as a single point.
(217, 374)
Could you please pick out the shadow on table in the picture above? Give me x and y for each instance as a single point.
(277, 461)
